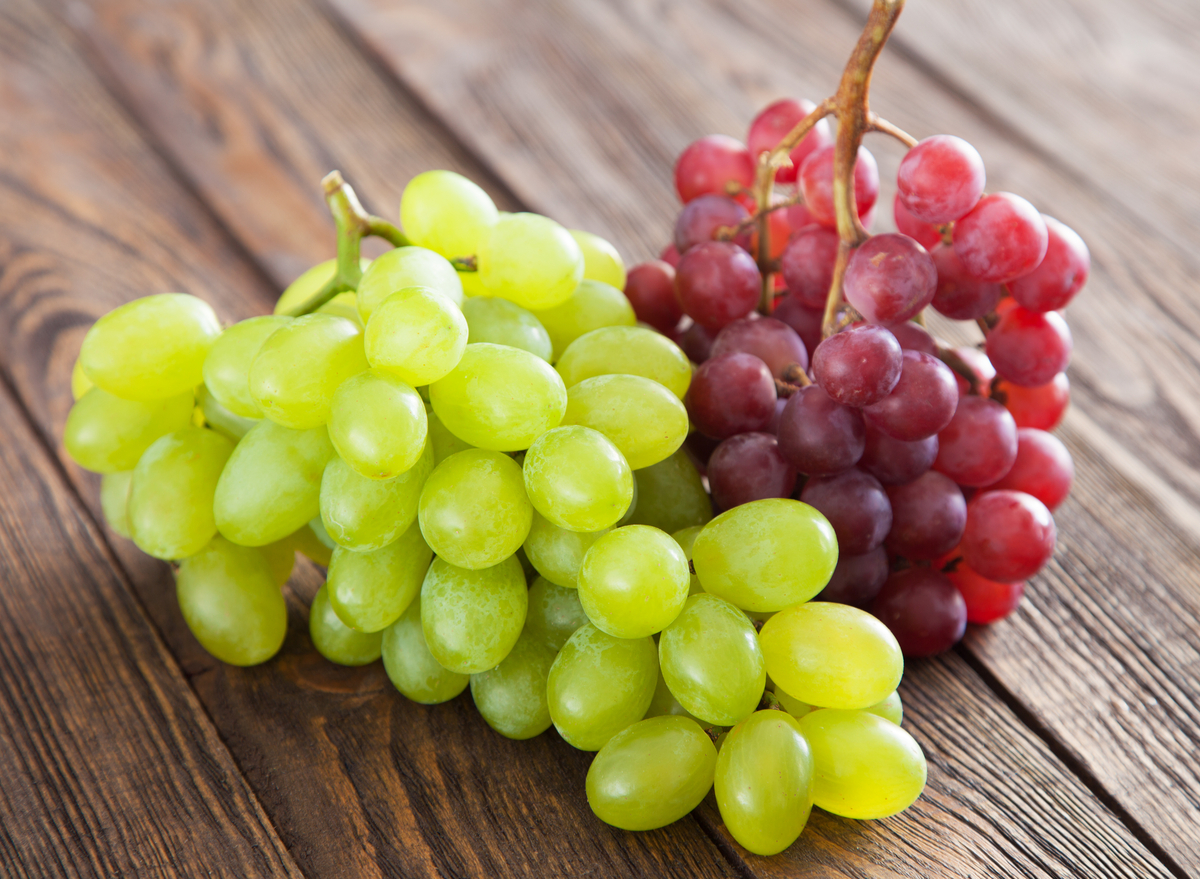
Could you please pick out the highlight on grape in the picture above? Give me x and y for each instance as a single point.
(693, 515)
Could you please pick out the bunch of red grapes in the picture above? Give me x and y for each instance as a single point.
(934, 465)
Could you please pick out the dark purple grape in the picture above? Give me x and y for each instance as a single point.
(804, 320)
(807, 265)
(749, 467)
(890, 278)
(859, 366)
(650, 289)
(896, 462)
(730, 394)
(700, 448)
(959, 296)
(716, 283)
(818, 435)
(928, 517)
(857, 579)
(923, 609)
(922, 403)
(770, 340)
(773, 427)
(979, 445)
(696, 343)
(703, 216)
(857, 507)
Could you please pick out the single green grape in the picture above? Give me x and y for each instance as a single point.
(281, 558)
(711, 660)
(766, 555)
(416, 335)
(512, 696)
(336, 641)
(530, 260)
(313, 545)
(227, 366)
(105, 433)
(831, 655)
(407, 267)
(309, 283)
(557, 553)
(554, 613)
(865, 766)
(791, 704)
(473, 509)
(633, 581)
(651, 773)
(364, 514)
(601, 262)
(686, 538)
(271, 485)
(626, 351)
(642, 418)
(343, 305)
(505, 323)
(473, 288)
(499, 398)
(444, 442)
(671, 495)
(764, 781)
(664, 702)
(472, 619)
(889, 708)
(230, 601)
(369, 590)
(232, 427)
(171, 494)
(593, 305)
(378, 424)
(114, 500)
(599, 685)
(81, 384)
(411, 667)
(577, 479)
(447, 213)
(151, 348)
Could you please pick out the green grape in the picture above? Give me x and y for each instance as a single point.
(150, 348)
(633, 581)
(317, 527)
(530, 260)
(632, 508)
(766, 555)
(626, 351)
(601, 262)
(831, 655)
(526, 567)
(554, 613)
(230, 601)
(651, 773)
(336, 641)
(444, 442)
(664, 701)
(220, 419)
(114, 500)
(227, 366)
(710, 659)
(364, 514)
(411, 667)
(378, 424)
(313, 541)
(577, 479)
(599, 685)
(171, 494)
(407, 267)
(308, 284)
(271, 485)
(417, 335)
(505, 323)
(473, 287)
(499, 398)
(512, 696)
(671, 495)
(343, 305)
(281, 558)
(446, 212)
(557, 553)
(764, 782)
(593, 305)
(865, 766)
(890, 708)
(473, 509)
(791, 704)
(472, 619)
(81, 384)
(642, 418)
(686, 538)
(369, 590)
(105, 433)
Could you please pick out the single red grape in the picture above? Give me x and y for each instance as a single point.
(858, 367)
(890, 278)
(913, 337)
(798, 217)
(921, 404)
(1041, 407)
(928, 517)
(709, 164)
(804, 320)
(650, 289)
(986, 600)
(770, 340)
(670, 255)
(940, 179)
(807, 265)
(1028, 347)
(696, 343)
(979, 444)
(857, 579)
(1043, 468)
(749, 467)
(923, 609)
(716, 283)
(1010, 535)
(733, 393)
(959, 296)
(895, 462)
(818, 435)
(774, 122)
(1003, 237)
(703, 216)
(925, 233)
(816, 183)
(857, 507)
(1061, 273)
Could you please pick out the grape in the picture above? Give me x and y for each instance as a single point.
(670, 255)
(816, 183)
(446, 212)
(651, 773)
(271, 485)
(369, 590)
(378, 424)
(404, 268)
(664, 704)
(310, 282)
(443, 441)
(858, 367)
(593, 305)
(923, 609)
(151, 348)
(1041, 407)
(805, 320)
(314, 541)
(925, 234)
(986, 600)
(1060, 274)
(601, 261)
(281, 557)
(764, 782)
(364, 514)
(512, 696)
(633, 581)
(1002, 238)
(940, 179)
(856, 506)
(819, 436)
(889, 709)
(706, 215)
(770, 340)
(1043, 468)
(749, 467)
(959, 296)
(106, 434)
(416, 335)
(336, 641)
(1009, 536)
(114, 500)
(774, 122)
(577, 479)
(411, 667)
(716, 283)
(531, 260)
(626, 351)
(505, 323)
(232, 427)
(472, 619)
(499, 398)
(928, 517)
(766, 555)
(557, 553)
(731, 393)
(227, 366)
(1029, 348)
(696, 342)
(650, 289)
(686, 538)
(913, 337)
(170, 506)
(554, 613)
(890, 278)
(792, 705)
(979, 444)
(921, 404)
(671, 495)
(231, 603)
(710, 165)
(896, 462)
(978, 366)
(857, 579)
(643, 419)
(81, 384)
(473, 509)
(863, 765)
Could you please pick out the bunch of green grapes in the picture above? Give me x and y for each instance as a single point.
(483, 409)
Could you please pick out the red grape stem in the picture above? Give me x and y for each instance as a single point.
(728, 233)
(959, 366)
(794, 378)
(877, 123)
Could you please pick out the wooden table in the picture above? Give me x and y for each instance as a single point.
(150, 146)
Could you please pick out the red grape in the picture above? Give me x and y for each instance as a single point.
(780, 231)
(733, 393)
(716, 283)
(774, 122)
(895, 462)
(856, 506)
(940, 179)
(798, 216)
(986, 600)
(921, 404)
(709, 164)
(1043, 468)
(914, 338)
(1003, 237)
(804, 320)
(1028, 347)
(979, 444)
(1009, 536)
(770, 340)
(1041, 407)
(959, 296)
(857, 579)
(923, 609)
(749, 467)
(700, 448)
(816, 182)
(807, 265)
(890, 278)
(696, 343)
(981, 369)
(704, 215)
(1059, 276)
(818, 435)
(650, 289)
(925, 233)
(859, 366)
(928, 517)
(670, 255)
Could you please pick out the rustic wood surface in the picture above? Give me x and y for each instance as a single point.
(150, 146)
